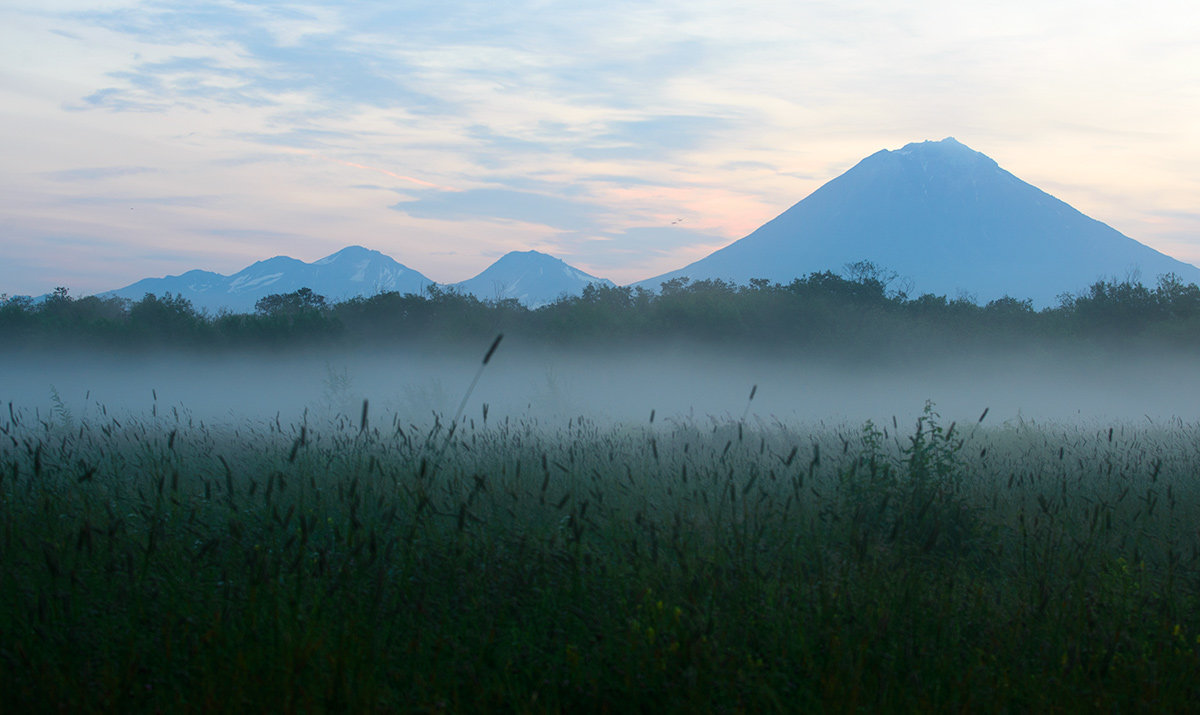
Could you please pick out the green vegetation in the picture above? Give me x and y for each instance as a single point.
(822, 314)
(158, 564)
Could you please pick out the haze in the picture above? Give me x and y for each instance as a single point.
(554, 386)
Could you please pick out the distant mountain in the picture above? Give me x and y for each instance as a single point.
(949, 221)
(534, 279)
(350, 272)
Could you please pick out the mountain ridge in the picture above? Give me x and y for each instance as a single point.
(347, 273)
(942, 217)
(532, 278)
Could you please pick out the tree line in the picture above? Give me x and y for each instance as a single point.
(825, 312)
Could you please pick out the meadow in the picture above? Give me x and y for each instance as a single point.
(157, 561)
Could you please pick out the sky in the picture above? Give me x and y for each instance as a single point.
(142, 139)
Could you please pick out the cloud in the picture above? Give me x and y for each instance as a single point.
(652, 241)
(619, 180)
(189, 80)
(655, 137)
(497, 150)
(506, 205)
(299, 137)
(64, 33)
(333, 72)
(175, 201)
(748, 166)
(253, 62)
(99, 173)
(1176, 215)
(243, 234)
(117, 100)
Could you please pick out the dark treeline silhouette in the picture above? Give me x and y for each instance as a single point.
(823, 313)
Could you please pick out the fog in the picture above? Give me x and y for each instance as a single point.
(523, 382)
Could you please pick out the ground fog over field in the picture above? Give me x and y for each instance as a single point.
(185, 531)
(522, 381)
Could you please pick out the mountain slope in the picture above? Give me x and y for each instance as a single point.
(350, 272)
(949, 221)
(532, 278)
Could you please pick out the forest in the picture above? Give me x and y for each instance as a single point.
(855, 314)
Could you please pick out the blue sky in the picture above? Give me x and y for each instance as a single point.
(628, 138)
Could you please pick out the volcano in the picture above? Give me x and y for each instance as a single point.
(945, 219)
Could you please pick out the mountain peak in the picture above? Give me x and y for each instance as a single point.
(530, 256)
(947, 144)
(349, 252)
(948, 152)
(531, 277)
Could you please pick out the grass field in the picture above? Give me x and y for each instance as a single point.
(155, 562)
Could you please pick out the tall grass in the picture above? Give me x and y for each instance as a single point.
(156, 562)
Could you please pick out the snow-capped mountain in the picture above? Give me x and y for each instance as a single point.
(949, 221)
(350, 272)
(534, 279)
